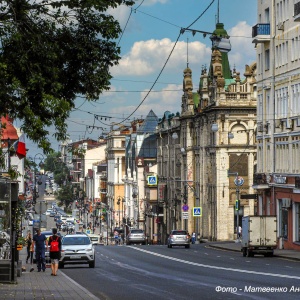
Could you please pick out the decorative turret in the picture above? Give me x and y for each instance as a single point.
(187, 98)
(220, 42)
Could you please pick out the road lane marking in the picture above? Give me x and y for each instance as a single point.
(215, 267)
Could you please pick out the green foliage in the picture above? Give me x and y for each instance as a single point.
(65, 194)
(52, 52)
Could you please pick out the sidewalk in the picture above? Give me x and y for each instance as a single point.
(233, 246)
(41, 285)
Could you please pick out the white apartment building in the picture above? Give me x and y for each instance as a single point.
(277, 38)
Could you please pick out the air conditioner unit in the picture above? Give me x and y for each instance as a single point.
(288, 124)
(280, 25)
(259, 127)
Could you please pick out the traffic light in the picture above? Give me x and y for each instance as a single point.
(237, 204)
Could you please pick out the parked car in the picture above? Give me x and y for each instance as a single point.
(57, 217)
(48, 211)
(179, 238)
(77, 249)
(136, 236)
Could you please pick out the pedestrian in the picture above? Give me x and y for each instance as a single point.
(55, 251)
(39, 242)
(240, 232)
(193, 238)
(116, 236)
(29, 247)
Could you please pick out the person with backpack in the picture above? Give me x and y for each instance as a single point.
(55, 251)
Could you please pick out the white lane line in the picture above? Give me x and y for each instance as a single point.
(216, 267)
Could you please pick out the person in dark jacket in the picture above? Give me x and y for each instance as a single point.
(40, 241)
(54, 253)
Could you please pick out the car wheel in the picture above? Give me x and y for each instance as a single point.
(187, 246)
(61, 265)
(170, 246)
(92, 264)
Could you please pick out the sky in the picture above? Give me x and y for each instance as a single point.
(154, 54)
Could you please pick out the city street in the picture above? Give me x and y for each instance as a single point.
(147, 272)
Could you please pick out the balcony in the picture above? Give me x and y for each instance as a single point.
(261, 33)
(260, 181)
(297, 12)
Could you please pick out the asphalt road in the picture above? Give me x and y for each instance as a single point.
(156, 272)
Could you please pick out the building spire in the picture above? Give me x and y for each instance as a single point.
(187, 53)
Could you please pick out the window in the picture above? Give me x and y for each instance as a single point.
(282, 220)
(267, 60)
(297, 222)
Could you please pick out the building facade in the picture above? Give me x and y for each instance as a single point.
(277, 178)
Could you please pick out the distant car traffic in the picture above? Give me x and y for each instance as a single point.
(77, 249)
(178, 238)
(136, 236)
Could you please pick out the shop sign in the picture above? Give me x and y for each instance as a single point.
(279, 179)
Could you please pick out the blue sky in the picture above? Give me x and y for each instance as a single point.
(153, 26)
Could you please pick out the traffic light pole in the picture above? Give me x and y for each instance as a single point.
(237, 211)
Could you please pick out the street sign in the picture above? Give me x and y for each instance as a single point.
(88, 231)
(40, 207)
(152, 180)
(185, 215)
(197, 211)
(238, 181)
(249, 196)
(185, 207)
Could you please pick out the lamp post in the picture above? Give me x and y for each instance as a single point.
(135, 198)
(118, 203)
(34, 197)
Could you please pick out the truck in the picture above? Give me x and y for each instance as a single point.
(259, 235)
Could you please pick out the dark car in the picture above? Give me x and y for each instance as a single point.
(179, 238)
(59, 222)
(57, 217)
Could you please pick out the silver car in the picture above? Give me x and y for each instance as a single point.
(136, 236)
(179, 238)
(77, 249)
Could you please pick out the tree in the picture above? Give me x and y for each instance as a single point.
(53, 51)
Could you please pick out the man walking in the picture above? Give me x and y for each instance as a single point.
(39, 241)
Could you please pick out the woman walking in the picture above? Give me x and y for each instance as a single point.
(29, 246)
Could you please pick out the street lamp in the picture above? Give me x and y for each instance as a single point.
(135, 199)
(35, 194)
(118, 203)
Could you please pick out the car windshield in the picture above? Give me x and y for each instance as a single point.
(179, 232)
(137, 231)
(76, 241)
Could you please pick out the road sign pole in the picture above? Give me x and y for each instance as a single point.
(238, 211)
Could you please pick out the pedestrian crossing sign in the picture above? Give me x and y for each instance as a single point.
(152, 180)
(197, 211)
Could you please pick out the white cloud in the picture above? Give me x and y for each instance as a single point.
(151, 2)
(243, 51)
(148, 57)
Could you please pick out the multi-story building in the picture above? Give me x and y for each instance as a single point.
(140, 156)
(213, 142)
(276, 37)
(116, 166)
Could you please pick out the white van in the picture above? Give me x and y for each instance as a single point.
(95, 238)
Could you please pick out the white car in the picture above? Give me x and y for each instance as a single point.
(48, 211)
(77, 249)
